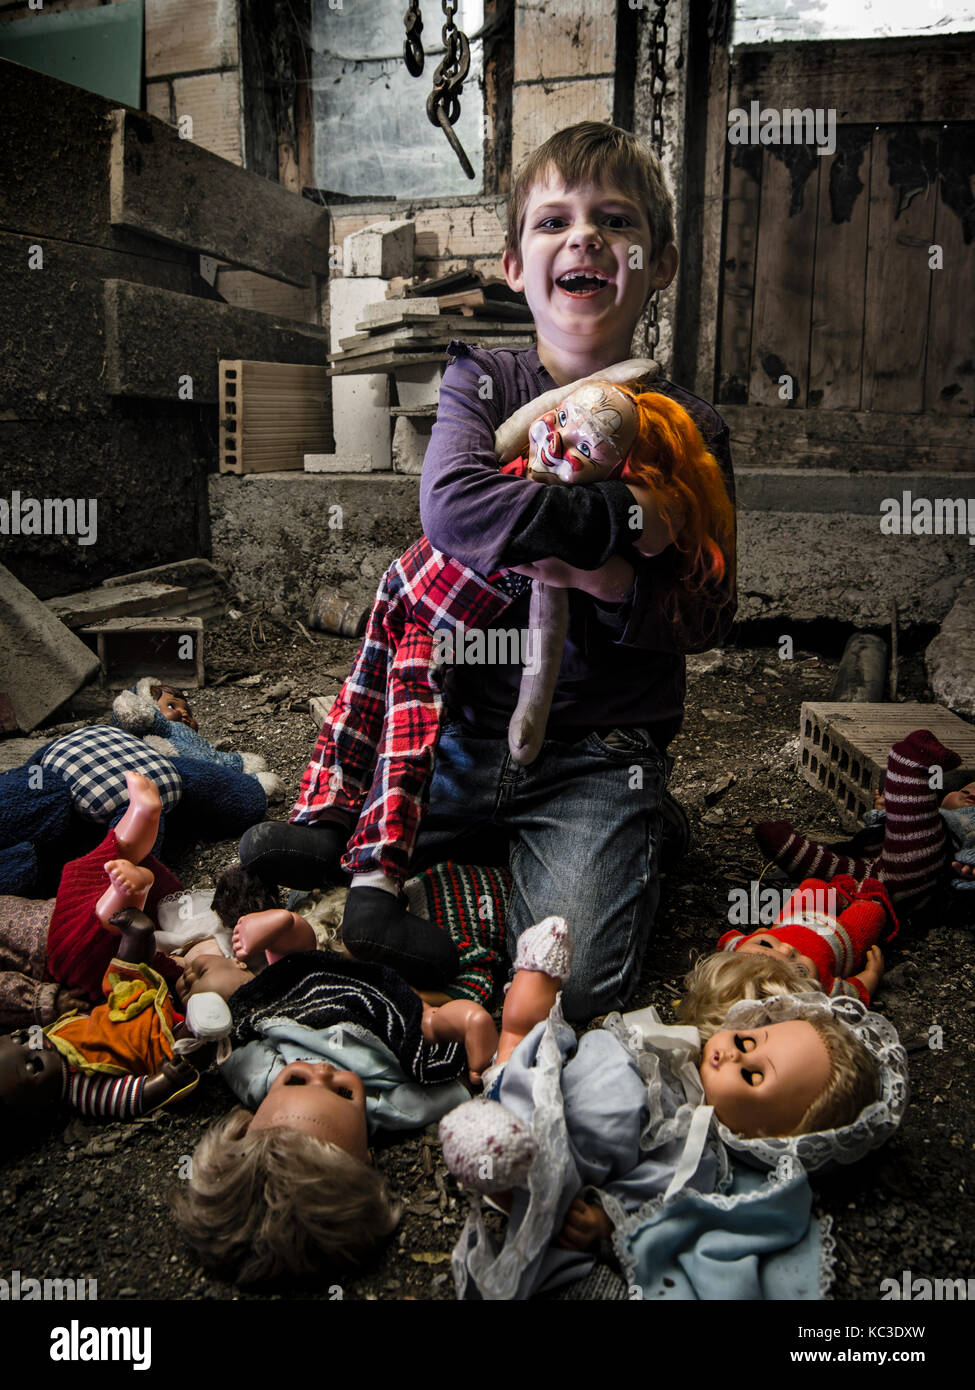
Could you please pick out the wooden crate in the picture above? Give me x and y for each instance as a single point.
(130, 648)
(844, 747)
(271, 415)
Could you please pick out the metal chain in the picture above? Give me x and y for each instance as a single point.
(658, 87)
(443, 103)
(413, 44)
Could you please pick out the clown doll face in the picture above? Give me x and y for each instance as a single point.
(585, 439)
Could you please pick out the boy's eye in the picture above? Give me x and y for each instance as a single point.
(744, 1044)
(618, 219)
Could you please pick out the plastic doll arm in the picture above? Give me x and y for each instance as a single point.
(867, 981)
(610, 583)
(585, 1225)
(174, 1079)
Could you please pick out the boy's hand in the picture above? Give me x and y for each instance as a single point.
(585, 1224)
(612, 582)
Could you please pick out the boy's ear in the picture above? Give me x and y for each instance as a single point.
(512, 271)
(664, 268)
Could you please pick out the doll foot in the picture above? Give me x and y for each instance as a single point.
(129, 887)
(546, 947)
(276, 931)
(486, 1147)
(377, 927)
(138, 944)
(302, 856)
(136, 832)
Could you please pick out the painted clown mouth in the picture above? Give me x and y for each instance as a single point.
(583, 282)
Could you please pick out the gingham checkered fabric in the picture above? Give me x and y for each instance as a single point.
(375, 753)
(93, 762)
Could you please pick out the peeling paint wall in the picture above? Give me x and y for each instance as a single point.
(775, 21)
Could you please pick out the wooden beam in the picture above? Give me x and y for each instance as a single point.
(866, 82)
(154, 339)
(178, 193)
(852, 440)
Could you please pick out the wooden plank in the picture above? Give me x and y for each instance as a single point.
(154, 338)
(183, 35)
(172, 190)
(866, 82)
(836, 341)
(784, 276)
(901, 230)
(767, 437)
(211, 100)
(738, 272)
(949, 371)
(248, 290)
(130, 600)
(713, 218)
(382, 361)
(437, 332)
(397, 311)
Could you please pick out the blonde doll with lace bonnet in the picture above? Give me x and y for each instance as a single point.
(579, 1136)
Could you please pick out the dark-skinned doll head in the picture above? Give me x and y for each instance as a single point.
(31, 1072)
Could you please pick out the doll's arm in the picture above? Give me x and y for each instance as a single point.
(585, 1224)
(867, 981)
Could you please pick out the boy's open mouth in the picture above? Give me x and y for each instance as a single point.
(582, 283)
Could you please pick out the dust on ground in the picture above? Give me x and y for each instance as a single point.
(82, 1199)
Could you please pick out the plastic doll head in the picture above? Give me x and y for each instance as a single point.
(31, 1070)
(317, 1099)
(720, 980)
(216, 974)
(585, 439)
(266, 1202)
(766, 943)
(794, 1077)
(173, 705)
(960, 800)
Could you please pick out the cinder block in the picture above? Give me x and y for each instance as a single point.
(159, 100)
(578, 41)
(396, 310)
(360, 403)
(383, 248)
(844, 747)
(213, 103)
(183, 35)
(410, 439)
(419, 384)
(540, 109)
(338, 463)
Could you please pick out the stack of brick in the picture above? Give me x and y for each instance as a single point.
(193, 76)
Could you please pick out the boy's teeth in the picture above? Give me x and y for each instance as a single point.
(579, 282)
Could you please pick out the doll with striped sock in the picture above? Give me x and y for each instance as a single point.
(913, 854)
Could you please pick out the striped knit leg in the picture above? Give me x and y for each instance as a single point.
(801, 858)
(913, 854)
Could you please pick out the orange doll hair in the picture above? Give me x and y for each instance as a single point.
(670, 456)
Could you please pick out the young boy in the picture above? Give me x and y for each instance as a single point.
(590, 238)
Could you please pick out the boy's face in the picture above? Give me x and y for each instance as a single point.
(763, 1080)
(317, 1099)
(585, 268)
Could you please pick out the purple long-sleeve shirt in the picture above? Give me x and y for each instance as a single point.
(623, 663)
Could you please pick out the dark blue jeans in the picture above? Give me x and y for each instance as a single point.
(584, 822)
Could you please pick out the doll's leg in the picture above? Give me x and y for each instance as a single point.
(461, 1020)
(541, 968)
(138, 936)
(136, 832)
(277, 932)
(129, 886)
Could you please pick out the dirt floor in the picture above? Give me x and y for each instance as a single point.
(89, 1200)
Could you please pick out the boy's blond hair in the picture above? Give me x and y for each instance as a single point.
(722, 979)
(274, 1202)
(593, 152)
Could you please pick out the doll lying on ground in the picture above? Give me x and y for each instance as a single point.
(161, 715)
(827, 934)
(582, 1136)
(913, 856)
(54, 952)
(53, 807)
(324, 1050)
(116, 1062)
(371, 770)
